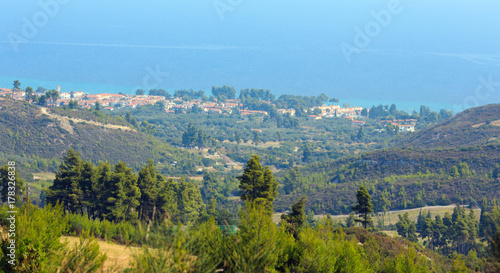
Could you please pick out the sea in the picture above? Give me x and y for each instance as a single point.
(444, 55)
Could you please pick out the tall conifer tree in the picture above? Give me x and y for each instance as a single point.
(257, 183)
(364, 207)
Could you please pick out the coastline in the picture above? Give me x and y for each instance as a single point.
(95, 88)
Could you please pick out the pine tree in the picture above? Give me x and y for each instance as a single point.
(15, 87)
(404, 201)
(87, 184)
(412, 233)
(472, 225)
(364, 207)
(125, 194)
(420, 222)
(200, 139)
(428, 231)
(296, 219)
(190, 203)
(292, 180)
(147, 183)
(189, 136)
(383, 204)
(29, 94)
(97, 106)
(66, 186)
(257, 247)
(257, 183)
(439, 230)
(360, 134)
(167, 198)
(482, 219)
(103, 188)
(256, 138)
(406, 228)
(306, 154)
(460, 231)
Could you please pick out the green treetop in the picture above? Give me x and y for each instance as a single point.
(297, 217)
(257, 183)
(406, 228)
(364, 207)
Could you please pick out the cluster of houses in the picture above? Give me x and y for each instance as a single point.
(404, 125)
(15, 95)
(177, 105)
(330, 111)
(107, 101)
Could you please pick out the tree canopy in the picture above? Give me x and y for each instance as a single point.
(257, 183)
(364, 207)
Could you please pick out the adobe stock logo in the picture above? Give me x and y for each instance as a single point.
(363, 37)
(222, 7)
(31, 26)
(484, 90)
(152, 79)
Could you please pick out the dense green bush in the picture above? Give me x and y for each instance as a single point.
(39, 248)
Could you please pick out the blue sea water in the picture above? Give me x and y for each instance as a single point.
(408, 106)
(432, 53)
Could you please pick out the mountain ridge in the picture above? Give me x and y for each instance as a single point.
(472, 127)
(416, 172)
(32, 134)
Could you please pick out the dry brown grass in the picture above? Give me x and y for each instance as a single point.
(44, 176)
(64, 121)
(268, 144)
(412, 213)
(195, 178)
(277, 218)
(493, 123)
(119, 256)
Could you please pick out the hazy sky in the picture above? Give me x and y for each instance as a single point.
(422, 49)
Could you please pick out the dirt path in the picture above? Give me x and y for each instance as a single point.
(67, 126)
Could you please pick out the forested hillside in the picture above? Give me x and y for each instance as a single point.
(418, 173)
(114, 203)
(280, 140)
(472, 127)
(38, 137)
(118, 205)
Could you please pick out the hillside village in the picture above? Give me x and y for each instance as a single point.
(111, 102)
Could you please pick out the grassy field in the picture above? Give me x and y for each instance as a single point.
(44, 176)
(119, 256)
(266, 145)
(195, 178)
(40, 179)
(392, 216)
(277, 218)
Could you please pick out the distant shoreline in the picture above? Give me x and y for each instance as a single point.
(93, 88)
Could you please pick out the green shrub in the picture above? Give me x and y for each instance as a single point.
(409, 262)
(37, 239)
